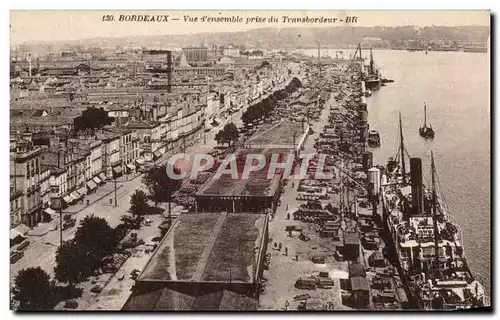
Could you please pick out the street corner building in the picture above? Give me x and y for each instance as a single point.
(206, 261)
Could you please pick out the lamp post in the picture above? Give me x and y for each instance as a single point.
(57, 206)
(116, 202)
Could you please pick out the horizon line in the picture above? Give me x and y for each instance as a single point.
(242, 31)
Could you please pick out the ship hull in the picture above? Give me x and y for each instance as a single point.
(393, 257)
(372, 84)
(426, 133)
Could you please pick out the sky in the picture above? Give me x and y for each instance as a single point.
(30, 26)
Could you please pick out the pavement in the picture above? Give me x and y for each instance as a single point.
(115, 292)
(280, 286)
(44, 239)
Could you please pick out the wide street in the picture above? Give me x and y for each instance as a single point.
(44, 239)
(280, 286)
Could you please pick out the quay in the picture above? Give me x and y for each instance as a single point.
(227, 241)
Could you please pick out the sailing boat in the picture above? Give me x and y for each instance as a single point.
(426, 131)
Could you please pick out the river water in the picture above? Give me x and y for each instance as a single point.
(456, 88)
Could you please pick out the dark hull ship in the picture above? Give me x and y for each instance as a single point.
(372, 79)
(426, 239)
(426, 131)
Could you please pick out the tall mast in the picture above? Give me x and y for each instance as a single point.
(425, 115)
(402, 149)
(434, 211)
(371, 60)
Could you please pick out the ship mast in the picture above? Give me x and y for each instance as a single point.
(434, 211)
(402, 149)
(371, 61)
(425, 115)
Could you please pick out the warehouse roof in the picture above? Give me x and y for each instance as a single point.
(208, 247)
(167, 299)
(257, 184)
(359, 283)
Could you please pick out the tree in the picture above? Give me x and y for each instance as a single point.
(66, 269)
(91, 119)
(96, 237)
(231, 133)
(161, 186)
(220, 137)
(33, 290)
(139, 204)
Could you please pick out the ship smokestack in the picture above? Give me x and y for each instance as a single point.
(417, 194)
(169, 71)
(367, 161)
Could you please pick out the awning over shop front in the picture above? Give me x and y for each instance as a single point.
(97, 180)
(68, 199)
(91, 184)
(20, 230)
(139, 161)
(50, 211)
(131, 166)
(75, 195)
(102, 176)
(14, 234)
(82, 191)
(117, 170)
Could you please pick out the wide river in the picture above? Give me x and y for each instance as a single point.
(456, 88)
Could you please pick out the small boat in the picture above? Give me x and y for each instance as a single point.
(368, 93)
(426, 131)
(373, 139)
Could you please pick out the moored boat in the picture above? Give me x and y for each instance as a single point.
(426, 240)
(426, 131)
(372, 80)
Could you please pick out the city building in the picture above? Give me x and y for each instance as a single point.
(25, 182)
(58, 184)
(196, 54)
(221, 270)
(45, 185)
(111, 161)
(256, 194)
(149, 135)
(231, 51)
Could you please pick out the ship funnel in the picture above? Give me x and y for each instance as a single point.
(367, 161)
(417, 193)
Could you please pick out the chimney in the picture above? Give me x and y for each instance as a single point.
(29, 63)
(169, 71)
(417, 194)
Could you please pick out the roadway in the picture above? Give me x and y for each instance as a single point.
(44, 243)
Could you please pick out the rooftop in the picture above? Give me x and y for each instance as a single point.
(208, 247)
(281, 134)
(257, 184)
(167, 299)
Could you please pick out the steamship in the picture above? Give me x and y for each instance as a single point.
(425, 240)
(372, 79)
